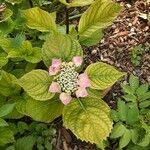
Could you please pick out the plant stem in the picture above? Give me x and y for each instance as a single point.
(67, 19)
(31, 3)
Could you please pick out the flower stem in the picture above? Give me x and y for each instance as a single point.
(67, 19)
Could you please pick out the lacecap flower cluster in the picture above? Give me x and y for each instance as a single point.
(67, 81)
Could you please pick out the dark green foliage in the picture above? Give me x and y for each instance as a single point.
(132, 117)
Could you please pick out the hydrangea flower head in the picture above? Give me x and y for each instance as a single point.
(67, 81)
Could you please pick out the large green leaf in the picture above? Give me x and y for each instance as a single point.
(7, 85)
(36, 83)
(99, 15)
(102, 75)
(77, 3)
(88, 119)
(60, 46)
(6, 136)
(45, 111)
(39, 19)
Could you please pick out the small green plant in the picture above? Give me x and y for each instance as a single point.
(35, 135)
(132, 122)
(136, 55)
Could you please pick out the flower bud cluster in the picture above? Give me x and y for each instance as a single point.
(67, 78)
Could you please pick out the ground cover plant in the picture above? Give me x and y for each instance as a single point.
(44, 75)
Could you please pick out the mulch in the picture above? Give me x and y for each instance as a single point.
(131, 28)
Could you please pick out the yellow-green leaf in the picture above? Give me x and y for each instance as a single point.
(88, 119)
(36, 83)
(39, 19)
(60, 46)
(77, 3)
(102, 75)
(45, 111)
(99, 15)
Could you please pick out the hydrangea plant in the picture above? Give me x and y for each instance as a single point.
(61, 87)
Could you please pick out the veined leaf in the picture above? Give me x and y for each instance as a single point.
(88, 119)
(39, 19)
(6, 136)
(60, 46)
(102, 75)
(99, 15)
(77, 3)
(134, 82)
(7, 85)
(36, 83)
(45, 111)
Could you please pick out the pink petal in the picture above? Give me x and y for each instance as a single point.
(55, 87)
(53, 70)
(65, 98)
(55, 67)
(81, 92)
(77, 60)
(56, 63)
(83, 80)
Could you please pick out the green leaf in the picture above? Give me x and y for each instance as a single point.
(118, 130)
(114, 115)
(6, 109)
(60, 46)
(99, 15)
(45, 111)
(39, 19)
(125, 139)
(25, 143)
(144, 104)
(93, 39)
(7, 85)
(27, 52)
(6, 15)
(77, 3)
(3, 123)
(36, 83)
(133, 114)
(88, 119)
(134, 82)
(127, 89)
(122, 110)
(102, 75)
(142, 89)
(6, 136)
(130, 98)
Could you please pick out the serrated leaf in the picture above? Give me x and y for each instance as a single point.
(7, 85)
(6, 136)
(45, 111)
(77, 3)
(130, 98)
(142, 89)
(6, 15)
(99, 15)
(6, 109)
(134, 82)
(144, 104)
(3, 123)
(39, 19)
(114, 115)
(118, 130)
(60, 46)
(122, 110)
(102, 75)
(145, 96)
(88, 119)
(127, 89)
(125, 139)
(36, 83)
